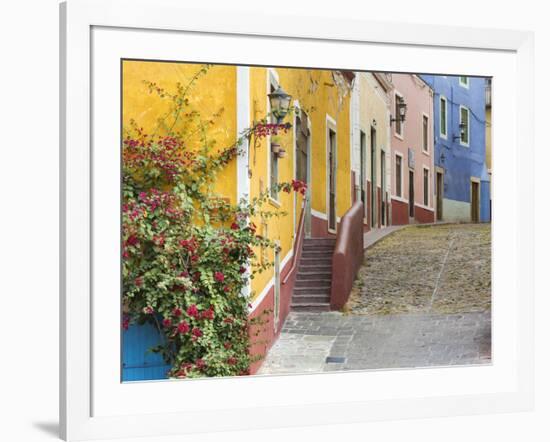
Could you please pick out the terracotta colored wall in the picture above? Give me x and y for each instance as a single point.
(423, 216)
(419, 99)
(400, 213)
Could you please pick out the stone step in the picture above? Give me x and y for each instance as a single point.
(327, 245)
(320, 241)
(309, 299)
(317, 254)
(315, 267)
(314, 307)
(313, 283)
(313, 275)
(317, 260)
(299, 291)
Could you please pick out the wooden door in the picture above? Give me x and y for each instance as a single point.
(383, 187)
(411, 194)
(332, 179)
(439, 195)
(373, 196)
(475, 202)
(362, 174)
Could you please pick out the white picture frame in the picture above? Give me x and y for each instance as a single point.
(92, 407)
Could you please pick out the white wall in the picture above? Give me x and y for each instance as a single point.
(28, 182)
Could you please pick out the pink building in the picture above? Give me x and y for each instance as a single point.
(412, 190)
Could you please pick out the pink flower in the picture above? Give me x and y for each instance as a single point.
(183, 327)
(227, 289)
(219, 276)
(231, 360)
(193, 311)
(167, 322)
(197, 332)
(158, 240)
(207, 314)
(200, 364)
(148, 310)
(242, 270)
(227, 345)
(176, 311)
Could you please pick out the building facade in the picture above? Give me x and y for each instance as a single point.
(412, 170)
(316, 150)
(371, 153)
(461, 177)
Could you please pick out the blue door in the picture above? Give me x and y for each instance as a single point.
(138, 363)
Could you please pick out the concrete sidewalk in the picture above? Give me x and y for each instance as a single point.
(373, 236)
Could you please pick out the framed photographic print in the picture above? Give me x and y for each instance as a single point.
(282, 221)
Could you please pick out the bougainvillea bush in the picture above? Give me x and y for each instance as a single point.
(187, 253)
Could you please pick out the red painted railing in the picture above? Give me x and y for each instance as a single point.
(348, 255)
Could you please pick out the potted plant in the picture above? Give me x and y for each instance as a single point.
(276, 144)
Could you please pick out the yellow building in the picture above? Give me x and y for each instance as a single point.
(317, 151)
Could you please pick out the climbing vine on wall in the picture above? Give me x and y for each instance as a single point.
(187, 253)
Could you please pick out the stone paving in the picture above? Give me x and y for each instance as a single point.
(422, 299)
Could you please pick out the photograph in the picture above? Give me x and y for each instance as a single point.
(284, 220)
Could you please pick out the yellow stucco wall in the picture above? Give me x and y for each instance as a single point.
(217, 93)
(316, 93)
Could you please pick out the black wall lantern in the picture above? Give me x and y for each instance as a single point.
(462, 127)
(279, 101)
(401, 108)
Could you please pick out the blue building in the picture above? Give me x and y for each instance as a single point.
(461, 177)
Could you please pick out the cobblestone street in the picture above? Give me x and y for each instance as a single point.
(422, 298)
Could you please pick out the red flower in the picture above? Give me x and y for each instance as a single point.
(200, 364)
(234, 226)
(231, 360)
(183, 327)
(208, 314)
(227, 289)
(242, 270)
(167, 322)
(197, 332)
(132, 240)
(227, 345)
(193, 311)
(176, 311)
(219, 276)
(158, 240)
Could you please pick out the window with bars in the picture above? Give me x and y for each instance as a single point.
(426, 187)
(425, 133)
(274, 158)
(465, 123)
(443, 117)
(398, 177)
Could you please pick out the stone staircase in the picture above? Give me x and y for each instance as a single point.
(314, 277)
